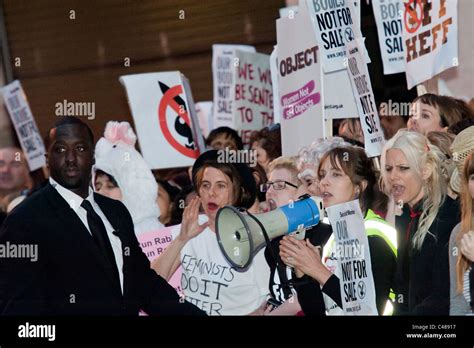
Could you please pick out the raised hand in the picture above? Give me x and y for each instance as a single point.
(190, 226)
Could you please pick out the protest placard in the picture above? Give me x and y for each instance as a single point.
(350, 260)
(196, 129)
(334, 22)
(163, 116)
(338, 99)
(153, 244)
(223, 76)
(364, 98)
(430, 38)
(300, 83)
(288, 11)
(25, 125)
(253, 106)
(274, 72)
(388, 18)
(204, 115)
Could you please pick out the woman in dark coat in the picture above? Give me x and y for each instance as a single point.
(411, 169)
(345, 174)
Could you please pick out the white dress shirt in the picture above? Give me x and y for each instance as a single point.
(75, 202)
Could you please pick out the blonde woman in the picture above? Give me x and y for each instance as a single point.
(411, 171)
(444, 141)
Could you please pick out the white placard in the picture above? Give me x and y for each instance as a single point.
(198, 138)
(274, 72)
(163, 118)
(354, 267)
(338, 99)
(223, 76)
(288, 11)
(25, 124)
(364, 98)
(253, 107)
(300, 83)
(204, 115)
(335, 23)
(388, 18)
(430, 38)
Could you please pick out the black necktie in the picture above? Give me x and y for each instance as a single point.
(99, 234)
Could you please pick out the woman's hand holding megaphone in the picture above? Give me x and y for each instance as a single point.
(304, 256)
(190, 226)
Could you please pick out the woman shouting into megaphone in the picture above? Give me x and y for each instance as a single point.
(208, 281)
(345, 174)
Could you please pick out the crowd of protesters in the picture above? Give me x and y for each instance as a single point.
(416, 202)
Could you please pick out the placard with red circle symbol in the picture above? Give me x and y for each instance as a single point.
(430, 38)
(168, 101)
(163, 118)
(413, 15)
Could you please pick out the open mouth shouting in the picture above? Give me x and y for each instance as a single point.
(397, 192)
(212, 207)
(272, 204)
(326, 196)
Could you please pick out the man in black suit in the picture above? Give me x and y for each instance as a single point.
(87, 260)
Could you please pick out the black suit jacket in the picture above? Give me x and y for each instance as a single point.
(70, 276)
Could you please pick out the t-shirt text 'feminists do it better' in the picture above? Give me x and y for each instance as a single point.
(209, 288)
(209, 282)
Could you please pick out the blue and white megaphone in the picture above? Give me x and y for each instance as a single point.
(241, 235)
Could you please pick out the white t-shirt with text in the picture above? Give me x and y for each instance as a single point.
(209, 282)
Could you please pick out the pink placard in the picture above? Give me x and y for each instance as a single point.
(153, 244)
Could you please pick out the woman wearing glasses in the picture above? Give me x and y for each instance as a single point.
(283, 188)
(207, 279)
(345, 174)
(282, 185)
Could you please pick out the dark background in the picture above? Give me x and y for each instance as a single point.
(81, 59)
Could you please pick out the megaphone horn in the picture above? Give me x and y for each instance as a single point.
(241, 235)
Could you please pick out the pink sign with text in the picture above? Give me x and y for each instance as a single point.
(153, 244)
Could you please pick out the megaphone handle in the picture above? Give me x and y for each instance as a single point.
(283, 279)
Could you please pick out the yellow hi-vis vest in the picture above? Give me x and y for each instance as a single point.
(374, 226)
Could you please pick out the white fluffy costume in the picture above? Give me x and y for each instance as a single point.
(115, 154)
